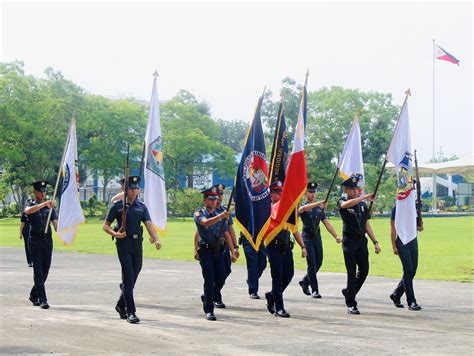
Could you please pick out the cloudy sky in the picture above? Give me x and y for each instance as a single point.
(225, 53)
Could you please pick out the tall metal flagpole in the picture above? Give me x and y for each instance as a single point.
(433, 195)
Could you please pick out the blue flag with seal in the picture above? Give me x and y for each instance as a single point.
(252, 192)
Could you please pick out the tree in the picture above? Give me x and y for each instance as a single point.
(233, 134)
(106, 127)
(35, 115)
(192, 141)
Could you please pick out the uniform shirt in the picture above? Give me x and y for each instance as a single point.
(354, 218)
(38, 219)
(136, 213)
(311, 219)
(26, 228)
(208, 233)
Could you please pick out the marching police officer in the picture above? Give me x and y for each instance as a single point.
(355, 215)
(312, 213)
(280, 255)
(24, 234)
(408, 253)
(256, 263)
(40, 244)
(209, 250)
(129, 244)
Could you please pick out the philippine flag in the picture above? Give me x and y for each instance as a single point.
(442, 55)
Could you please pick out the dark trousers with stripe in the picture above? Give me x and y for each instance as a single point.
(409, 257)
(41, 251)
(356, 258)
(130, 254)
(282, 271)
(213, 271)
(256, 264)
(314, 260)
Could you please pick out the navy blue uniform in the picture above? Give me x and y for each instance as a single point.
(314, 247)
(409, 257)
(129, 249)
(354, 247)
(25, 233)
(280, 255)
(40, 246)
(256, 264)
(211, 258)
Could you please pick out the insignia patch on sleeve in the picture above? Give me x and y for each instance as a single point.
(196, 214)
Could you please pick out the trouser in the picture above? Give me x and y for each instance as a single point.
(409, 256)
(256, 264)
(356, 256)
(282, 271)
(27, 249)
(41, 250)
(130, 254)
(314, 260)
(213, 272)
(227, 262)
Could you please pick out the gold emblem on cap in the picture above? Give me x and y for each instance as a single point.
(134, 179)
(221, 187)
(213, 189)
(354, 179)
(43, 183)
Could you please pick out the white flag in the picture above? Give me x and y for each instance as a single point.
(399, 153)
(350, 162)
(70, 211)
(155, 192)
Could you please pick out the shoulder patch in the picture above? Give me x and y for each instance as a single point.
(196, 214)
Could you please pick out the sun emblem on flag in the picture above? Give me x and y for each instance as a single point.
(155, 157)
(66, 177)
(405, 177)
(255, 176)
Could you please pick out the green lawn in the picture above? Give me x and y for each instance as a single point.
(446, 246)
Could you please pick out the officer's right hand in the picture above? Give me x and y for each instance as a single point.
(21, 237)
(395, 251)
(49, 204)
(225, 214)
(196, 255)
(120, 235)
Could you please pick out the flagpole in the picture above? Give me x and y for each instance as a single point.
(407, 94)
(73, 120)
(433, 195)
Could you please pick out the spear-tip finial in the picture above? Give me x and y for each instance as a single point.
(408, 92)
(306, 79)
(155, 73)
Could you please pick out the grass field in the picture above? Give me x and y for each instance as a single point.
(445, 247)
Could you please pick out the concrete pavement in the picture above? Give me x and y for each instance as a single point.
(83, 288)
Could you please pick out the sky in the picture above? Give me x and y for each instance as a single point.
(226, 52)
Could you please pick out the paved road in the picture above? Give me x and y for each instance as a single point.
(83, 288)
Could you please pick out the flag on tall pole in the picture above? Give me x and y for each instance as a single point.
(399, 153)
(295, 181)
(70, 211)
(252, 192)
(443, 55)
(154, 175)
(351, 162)
(279, 159)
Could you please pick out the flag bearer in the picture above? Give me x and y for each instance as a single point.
(280, 255)
(408, 253)
(40, 244)
(312, 213)
(355, 214)
(209, 250)
(129, 245)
